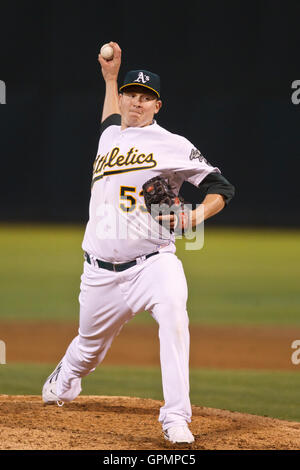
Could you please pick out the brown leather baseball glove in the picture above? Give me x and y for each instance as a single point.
(164, 205)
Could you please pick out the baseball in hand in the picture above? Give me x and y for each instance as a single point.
(107, 52)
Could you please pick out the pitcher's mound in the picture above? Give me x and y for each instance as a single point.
(111, 423)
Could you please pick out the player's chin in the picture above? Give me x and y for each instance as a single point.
(135, 121)
(134, 118)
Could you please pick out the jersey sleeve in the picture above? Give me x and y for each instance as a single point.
(191, 164)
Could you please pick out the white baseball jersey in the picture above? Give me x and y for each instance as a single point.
(118, 226)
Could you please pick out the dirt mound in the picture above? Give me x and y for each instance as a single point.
(114, 423)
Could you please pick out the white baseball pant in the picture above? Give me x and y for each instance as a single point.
(108, 300)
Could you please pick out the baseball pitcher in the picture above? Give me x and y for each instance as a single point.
(130, 263)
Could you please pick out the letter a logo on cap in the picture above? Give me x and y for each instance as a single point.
(142, 78)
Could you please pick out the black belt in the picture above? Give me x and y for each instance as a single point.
(116, 267)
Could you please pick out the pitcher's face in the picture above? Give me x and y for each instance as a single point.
(138, 106)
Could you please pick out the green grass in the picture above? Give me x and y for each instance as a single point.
(40, 272)
(265, 393)
(239, 277)
(244, 277)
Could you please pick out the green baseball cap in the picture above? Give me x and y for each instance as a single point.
(142, 78)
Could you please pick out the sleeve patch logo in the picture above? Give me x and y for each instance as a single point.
(195, 153)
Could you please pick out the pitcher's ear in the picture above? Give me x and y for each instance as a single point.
(158, 106)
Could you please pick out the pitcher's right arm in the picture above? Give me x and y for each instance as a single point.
(110, 70)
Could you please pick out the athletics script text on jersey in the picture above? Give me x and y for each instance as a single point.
(114, 162)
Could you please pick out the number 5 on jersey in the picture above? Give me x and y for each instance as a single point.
(128, 199)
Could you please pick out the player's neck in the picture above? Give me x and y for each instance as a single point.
(125, 126)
